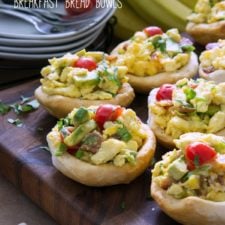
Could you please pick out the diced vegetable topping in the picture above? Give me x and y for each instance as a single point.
(153, 30)
(103, 134)
(165, 92)
(86, 63)
(107, 113)
(199, 153)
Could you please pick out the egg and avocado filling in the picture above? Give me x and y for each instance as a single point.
(195, 168)
(104, 135)
(194, 106)
(214, 58)
(85, 75)
(208, 11)
(147, 56)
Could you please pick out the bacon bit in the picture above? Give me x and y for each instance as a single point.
(70, 129)
(193, 86)
(165, 183)
(73, 150)
(209, 69)
(111, 57)
(125, 46)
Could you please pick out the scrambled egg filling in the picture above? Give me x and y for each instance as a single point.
(147, 56)
(208, 11)
(116, 143)
(196, 106)
(205, 181)
(214, 59)
(61, 77)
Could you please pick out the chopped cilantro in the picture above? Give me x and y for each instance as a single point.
(123, 134)
(188, 48)
(63, 122)
(190, 93)
(24, 99)
(4, 108)
(34, 104)
(16, 122)
(79, 154)
(196, 161)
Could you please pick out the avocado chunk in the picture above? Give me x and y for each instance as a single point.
(213, 109)
(176, 191)
(91, 78)
(81, 116)
(61, 149)
(79, 133)
(177, 169)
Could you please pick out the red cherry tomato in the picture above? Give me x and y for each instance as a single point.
(86, 63)
(200, 152)
(152, 30)
(107, 113)
(165, 92)
(79, 6)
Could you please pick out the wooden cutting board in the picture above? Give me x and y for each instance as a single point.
(29, 168)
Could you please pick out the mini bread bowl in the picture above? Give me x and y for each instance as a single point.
(157, 64)
(82, 79)
(211, 62)
(168, 140)
(206, 23)
(196, 205)
(59, 106)
(103, 174)
(206, 33)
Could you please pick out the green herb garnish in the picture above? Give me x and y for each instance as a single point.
(190, 93)
(4, 108)
(16, 122)
(79, 154)
(63, 122)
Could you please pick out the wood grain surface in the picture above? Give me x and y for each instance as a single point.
(29, 168)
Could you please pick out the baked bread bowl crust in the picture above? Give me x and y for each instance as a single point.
(145, 84)
(60, 106)
(218, 75)
(204, 33)
(190, 210)
(106, 174)
(164, 139)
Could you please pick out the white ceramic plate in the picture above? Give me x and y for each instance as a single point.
(20, 29)
(55, 48)
(24, 56)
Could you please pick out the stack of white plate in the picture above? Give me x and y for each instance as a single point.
(19, 40)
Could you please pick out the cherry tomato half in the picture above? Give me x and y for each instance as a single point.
(165, 92)
(79, 6)
(107, 113)
(200, 152)
(153, 30)
(86, 63)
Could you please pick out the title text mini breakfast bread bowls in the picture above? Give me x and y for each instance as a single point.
(206, 24)
(102, 145)
(212, 65)
(154, 58)
(187, 106)
(189, 183)
(82, 79)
